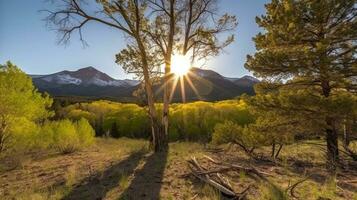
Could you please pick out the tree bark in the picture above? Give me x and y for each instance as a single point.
(167, 76)
(332, 145)
(158, 140)
(331, 135)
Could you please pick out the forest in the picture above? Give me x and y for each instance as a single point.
(295, 138)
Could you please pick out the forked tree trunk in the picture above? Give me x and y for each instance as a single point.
(166, 100)
(158, 140)
(167, 76)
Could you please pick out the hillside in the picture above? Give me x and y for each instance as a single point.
(91, 83)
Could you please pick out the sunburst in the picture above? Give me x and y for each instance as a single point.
(180, 64)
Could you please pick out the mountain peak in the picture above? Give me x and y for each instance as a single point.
(89, 68)
(84, 76)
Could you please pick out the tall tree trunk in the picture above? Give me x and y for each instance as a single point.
(332, 145)
(158, 140)
(167, 76)
(331, 135)
(166, 101)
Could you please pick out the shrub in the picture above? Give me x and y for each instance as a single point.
(190, 121)
(21, 107)
(85, 132)
(244, 137)
(66, 136)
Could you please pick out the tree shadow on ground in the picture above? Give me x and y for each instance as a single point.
(147, 181)
(98, 185)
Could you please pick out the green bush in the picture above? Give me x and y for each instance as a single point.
(85, 132)
(22, 107)
(230, 132)
(66, 136)
(188, 122)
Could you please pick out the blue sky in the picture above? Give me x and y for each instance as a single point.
(25, 40)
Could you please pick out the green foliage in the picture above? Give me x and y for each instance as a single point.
(85, 132)
(191, 121)
(230, 132)
(306, 56)
(66, 136)
(196, 121)
(21, 108)
(270, 191)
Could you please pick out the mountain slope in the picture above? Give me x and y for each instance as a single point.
(91, 83)
(211, 86)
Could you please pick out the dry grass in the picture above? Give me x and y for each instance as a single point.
(125, 169)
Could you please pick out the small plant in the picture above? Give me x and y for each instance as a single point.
(272, 192)
(209, 192)
(124, 181)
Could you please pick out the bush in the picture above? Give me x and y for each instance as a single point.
(85, 132)
(66, 136)
(21, 108)
(230, 132)
(190, 121)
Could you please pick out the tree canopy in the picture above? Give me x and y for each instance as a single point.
(19, 102)
(307, 59)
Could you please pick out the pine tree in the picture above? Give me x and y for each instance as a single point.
(308, 48)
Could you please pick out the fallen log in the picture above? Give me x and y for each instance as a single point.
(248, 170)
(197, 169)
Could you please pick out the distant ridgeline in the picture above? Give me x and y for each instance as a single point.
(88, 84)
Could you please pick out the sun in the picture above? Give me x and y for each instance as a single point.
(180, 64)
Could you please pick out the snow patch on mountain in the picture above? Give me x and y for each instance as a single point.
(99, 82)
(246, 77)
(62, 79)
(85, 76)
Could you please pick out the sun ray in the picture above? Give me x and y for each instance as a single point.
(161, 88)
(200, 79)
(180, 64)
(183, 94)
(193, 87)
(173, 88)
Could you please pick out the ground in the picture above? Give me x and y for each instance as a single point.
(126, 169)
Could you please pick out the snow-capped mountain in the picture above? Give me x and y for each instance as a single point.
(85, 76)
(90, 82)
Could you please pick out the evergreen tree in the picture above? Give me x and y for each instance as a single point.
(308, 53)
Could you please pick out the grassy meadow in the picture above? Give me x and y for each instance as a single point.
(285, 130)
(126, 169)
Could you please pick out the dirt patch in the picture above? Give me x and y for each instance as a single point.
(125, 169)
